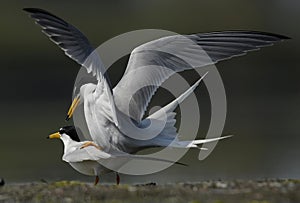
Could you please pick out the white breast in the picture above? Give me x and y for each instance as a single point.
(90, 168)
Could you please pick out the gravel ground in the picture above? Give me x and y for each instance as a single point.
(264, 191)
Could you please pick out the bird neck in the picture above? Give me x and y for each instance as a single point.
(68, 142)
(87, 89)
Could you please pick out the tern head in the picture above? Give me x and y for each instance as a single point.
(69, 131)
(84, 91)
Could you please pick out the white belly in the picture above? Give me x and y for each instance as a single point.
(90, 168)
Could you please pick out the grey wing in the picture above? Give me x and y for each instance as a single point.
(69, 39)
(152, 63)
(119, 159)
(77, 47)
(113, 159)
(144, 157)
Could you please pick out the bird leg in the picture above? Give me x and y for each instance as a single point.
(96, 180)
(89, 143)
(117, 178)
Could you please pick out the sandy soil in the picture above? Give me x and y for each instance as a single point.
(265, 191)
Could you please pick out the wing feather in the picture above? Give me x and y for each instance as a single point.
(76, 46)
(152, 63)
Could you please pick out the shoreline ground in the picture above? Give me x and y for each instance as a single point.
(262, 191)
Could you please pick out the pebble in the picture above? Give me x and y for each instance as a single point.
(2, 182)
(132, 189)
(275, 184)
(221, 185)
(68, 200)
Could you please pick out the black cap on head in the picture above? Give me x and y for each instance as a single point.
(70, 131)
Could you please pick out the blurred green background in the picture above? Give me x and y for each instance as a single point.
(262, 87)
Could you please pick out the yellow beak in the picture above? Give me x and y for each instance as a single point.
(73, 107)
(54, 135)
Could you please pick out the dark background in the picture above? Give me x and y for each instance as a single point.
(262, 87)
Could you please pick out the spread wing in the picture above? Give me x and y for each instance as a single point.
(152, 63)
(77, 47)
(67, 37)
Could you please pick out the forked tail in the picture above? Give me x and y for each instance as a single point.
(195, 143)
(168, 136)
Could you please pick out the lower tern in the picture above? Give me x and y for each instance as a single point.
(110, 117)
(84, 156)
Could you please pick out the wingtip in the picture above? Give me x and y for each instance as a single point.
(279, 36)
(226, 136)
(37, 10)
(286, 37)
(30, 10)
(282, 37)
(27, 10)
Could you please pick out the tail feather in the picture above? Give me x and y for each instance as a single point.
(168, 111)
(168, 136)
(195, 143)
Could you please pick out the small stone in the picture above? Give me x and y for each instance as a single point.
(2, 182)
(4, 198)
(132, 189)
(275, 184)
(221, 185)
(68, 200)
(291, 185)
(59, 191)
